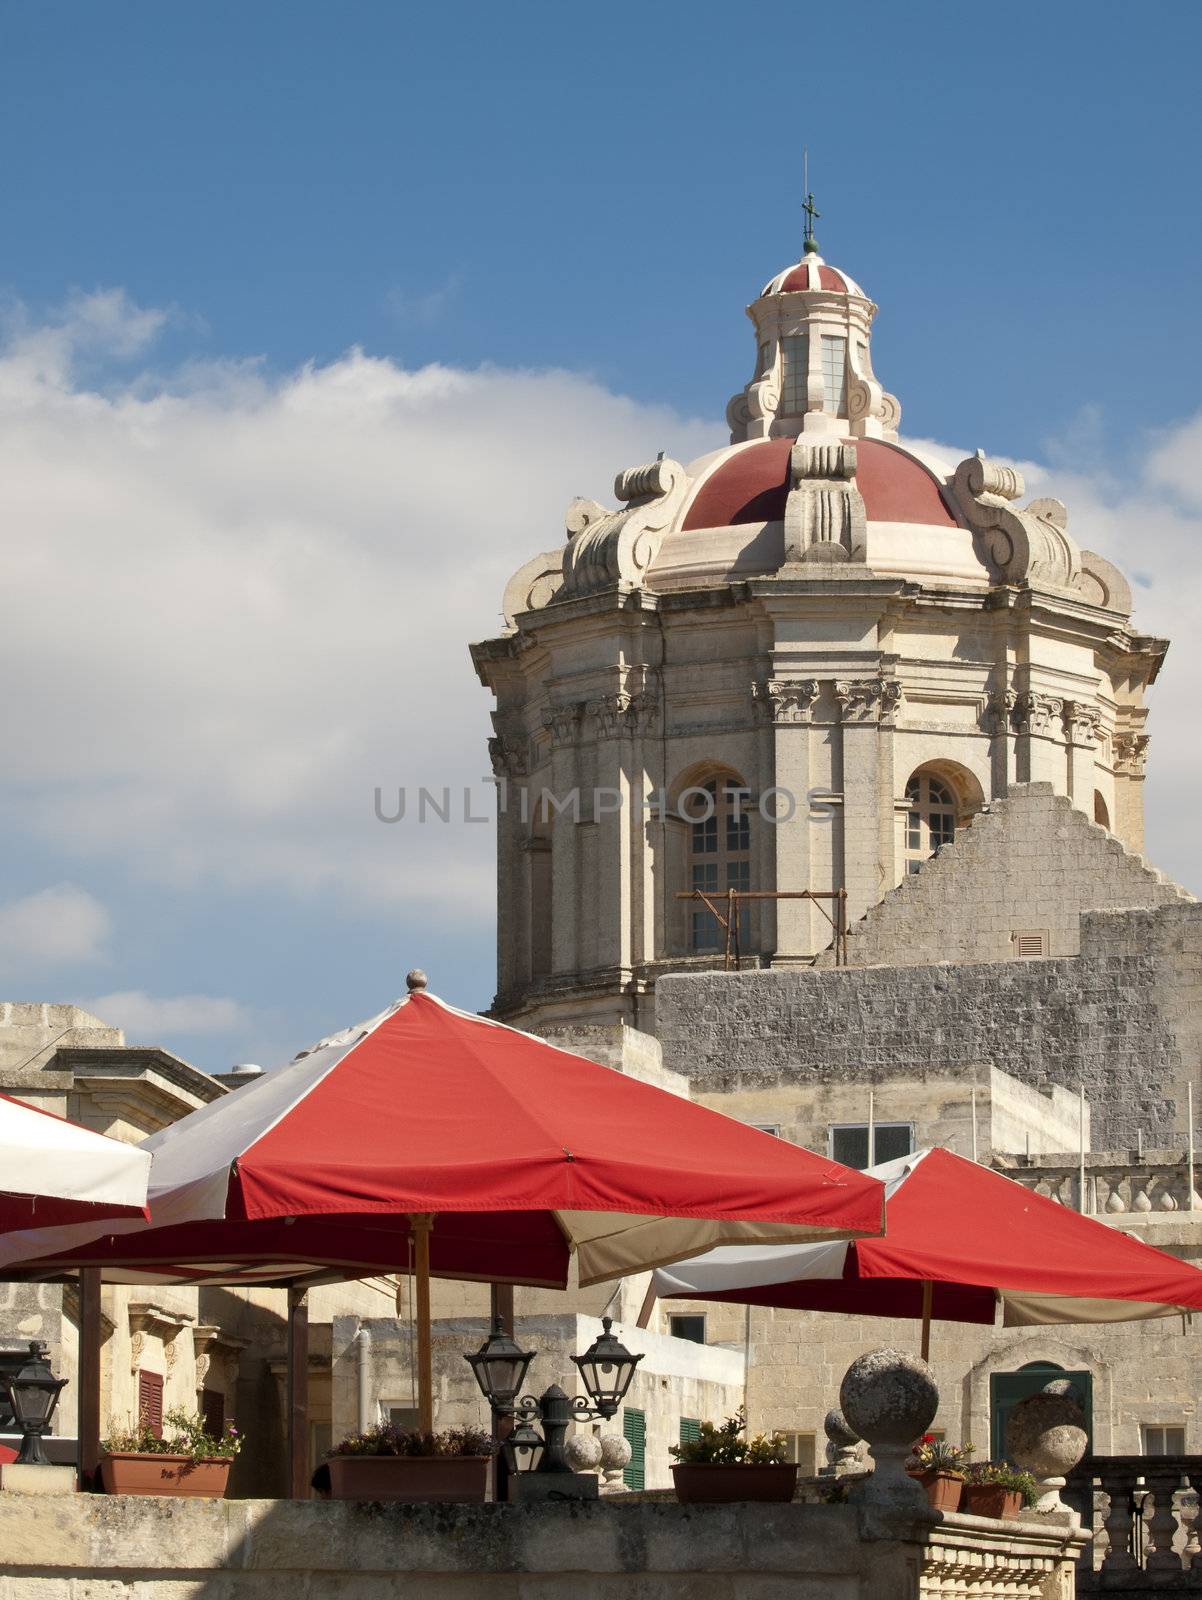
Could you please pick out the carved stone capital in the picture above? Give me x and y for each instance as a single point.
(563, 724)
(1131, 753)
(510, 756)
(1039, 714)
(1082, 723)
(998, 713)
(784, 699)
(868, 699)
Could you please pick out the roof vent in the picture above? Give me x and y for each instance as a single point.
(247, 1069)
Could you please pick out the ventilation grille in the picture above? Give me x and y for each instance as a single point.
(1030, 943)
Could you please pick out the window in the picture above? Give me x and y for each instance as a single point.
(719, 858)
(690, 1429)
(930, 818)
(399, 1415)
(212, 1409)
(849, 1143)
(634, 1431)
(766, 1127)
(689, 1327)
(794, 387)
(1163, 1441)
(150, 1402)
(762, 367)
(1101, 812)
(834, 374)
(800, 1448)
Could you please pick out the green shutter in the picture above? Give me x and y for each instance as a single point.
(690, 1429)
(634, 1431)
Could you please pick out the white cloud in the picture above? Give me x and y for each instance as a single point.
(54, 927)
(248, 598)
(145, 1017)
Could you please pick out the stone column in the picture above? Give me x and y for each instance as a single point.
(510, 765)
(787, 707)
(866, 705)
(999, 722)
(1040, 756)
(1130, 759)
(1081, 723)
(610, 895)
(564, 725)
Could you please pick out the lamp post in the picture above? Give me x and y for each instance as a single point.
(33, 1393)
(606, 1369)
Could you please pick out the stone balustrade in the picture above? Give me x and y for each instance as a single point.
(1117, 1183)
(1142, 1513)
(135, 1548)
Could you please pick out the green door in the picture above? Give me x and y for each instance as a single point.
(1006, 1389)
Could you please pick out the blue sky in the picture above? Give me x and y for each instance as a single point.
(580, 202)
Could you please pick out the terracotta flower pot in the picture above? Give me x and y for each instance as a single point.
(991, 1500)
(698, 1482)
(144, 1472)
(943, 1489)
(459, 1480)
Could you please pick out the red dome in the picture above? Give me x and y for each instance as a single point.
(799, 278)
(752, 485)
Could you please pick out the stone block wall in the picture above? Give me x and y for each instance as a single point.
(1123, 1019)
(1031, 863)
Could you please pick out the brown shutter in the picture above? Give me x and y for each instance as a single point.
(212, 1409)
(150, 1402)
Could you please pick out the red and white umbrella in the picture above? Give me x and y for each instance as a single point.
(433, 1138)
(53, 1171)
(959, 1239)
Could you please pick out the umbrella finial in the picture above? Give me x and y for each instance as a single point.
(416, 980)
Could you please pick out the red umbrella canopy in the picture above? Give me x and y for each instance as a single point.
(972, 1233)
(53, 1171)
(523, 1153)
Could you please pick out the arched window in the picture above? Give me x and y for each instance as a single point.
(719, 857)
(1101, 814)
(930, 817)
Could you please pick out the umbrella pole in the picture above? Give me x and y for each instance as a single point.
(88, 1378)
(928, 1292)
(298, 1394)
(421, 1223)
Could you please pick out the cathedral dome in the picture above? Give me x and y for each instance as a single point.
(812, 272)
(751, 483)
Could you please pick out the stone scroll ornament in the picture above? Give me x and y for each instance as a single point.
(889, 1398)
(825, 519)
(608, 548)
(1027, 545)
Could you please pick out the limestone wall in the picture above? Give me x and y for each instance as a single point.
(1031, 863)
(1123, 1019)
(133, 1548)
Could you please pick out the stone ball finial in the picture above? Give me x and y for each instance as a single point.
(1046, 1436)
(837, 1431)
(416, 980)
(889, 1398)
(583, 1452)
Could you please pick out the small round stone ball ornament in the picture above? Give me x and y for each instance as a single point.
(889, 1398)
(1045, 1436)
(583, 1452)
(843, 1443)
(615, 1454)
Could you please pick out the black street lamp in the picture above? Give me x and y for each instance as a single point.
(606, 1369)
(33, 1393)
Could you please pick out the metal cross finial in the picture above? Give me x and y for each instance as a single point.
(808, 206)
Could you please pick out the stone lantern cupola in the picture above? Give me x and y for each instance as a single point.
(813, 371)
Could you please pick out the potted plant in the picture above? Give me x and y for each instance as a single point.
(391, 1463)
(722, 1464)
(184, 1460)
(996, 1489)
(940, 1468)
